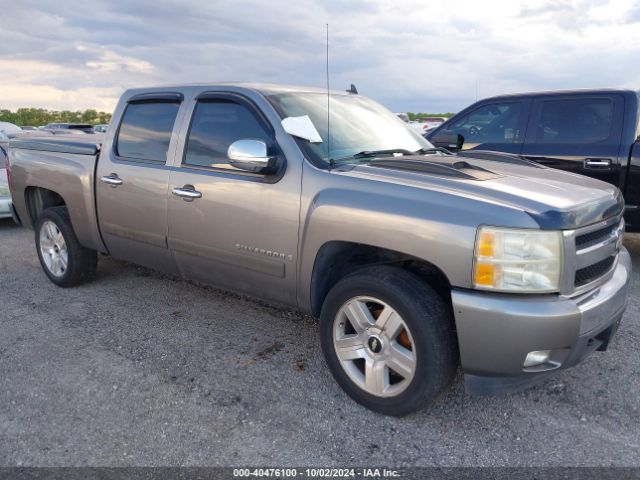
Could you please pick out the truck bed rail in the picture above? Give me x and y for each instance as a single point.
(80, 146)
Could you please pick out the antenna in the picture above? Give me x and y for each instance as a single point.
(328, 123)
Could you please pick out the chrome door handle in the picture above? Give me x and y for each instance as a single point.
(603, 163)
(112, 180)
(187, 192)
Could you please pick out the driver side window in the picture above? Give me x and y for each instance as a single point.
(492, 123)
(215, 126)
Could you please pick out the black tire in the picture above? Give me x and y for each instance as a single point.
(431, 327)
(82, 262)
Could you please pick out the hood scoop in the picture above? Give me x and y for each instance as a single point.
(457, 169)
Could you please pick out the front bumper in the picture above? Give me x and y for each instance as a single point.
(497, 331)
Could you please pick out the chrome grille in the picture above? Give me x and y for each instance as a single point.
(596, 236)
(591, 255)
(593, 272)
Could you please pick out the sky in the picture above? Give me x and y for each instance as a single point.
(425, 55)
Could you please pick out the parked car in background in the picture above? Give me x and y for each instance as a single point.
(403, 116)
(431, 122)
(422, 124)
(100, 128)
(416, 127)
(415, 260)
(6, 127)
(83, 127)
(590, 132)
(5, 195)
(28, 128)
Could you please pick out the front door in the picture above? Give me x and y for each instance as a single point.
(498, 126)
(238, 230)
(132, 182)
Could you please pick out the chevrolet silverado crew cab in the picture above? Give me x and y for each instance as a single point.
(591, 132)
(415, 260)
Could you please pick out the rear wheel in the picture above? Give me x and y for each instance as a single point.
(388, 339)
(63, 259)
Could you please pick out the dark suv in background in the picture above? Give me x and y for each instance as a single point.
(591, 132)
(83, 127)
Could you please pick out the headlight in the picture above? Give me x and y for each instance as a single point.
(517, 260)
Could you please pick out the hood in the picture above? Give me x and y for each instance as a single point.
(554, 199)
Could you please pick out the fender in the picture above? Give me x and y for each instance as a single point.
(434, 226)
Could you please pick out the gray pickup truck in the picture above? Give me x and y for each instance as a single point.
(416, 261)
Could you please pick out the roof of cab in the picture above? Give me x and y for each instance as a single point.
(264, 88)
(588, 91)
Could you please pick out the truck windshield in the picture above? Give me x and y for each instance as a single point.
(357, 124)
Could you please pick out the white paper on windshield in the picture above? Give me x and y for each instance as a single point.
(302, 127)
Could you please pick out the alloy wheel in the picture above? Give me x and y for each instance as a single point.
(53, 249)
(374, 346)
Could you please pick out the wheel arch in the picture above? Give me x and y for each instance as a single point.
(336, 259)
(38, 199)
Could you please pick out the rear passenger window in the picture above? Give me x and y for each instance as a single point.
(583, 120)
(214, 127)
(145, 131)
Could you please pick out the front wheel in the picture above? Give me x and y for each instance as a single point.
(389, 340)
(63, 259)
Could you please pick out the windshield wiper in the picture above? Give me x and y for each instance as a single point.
(390, 151)
(434, 150)
(375, 153)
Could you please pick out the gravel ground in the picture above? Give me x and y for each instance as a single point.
(141, 369)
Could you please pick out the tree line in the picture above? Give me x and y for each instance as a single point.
(39, 116)
(415, 116)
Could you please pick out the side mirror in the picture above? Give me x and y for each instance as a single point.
(250, 155)
(451, 141)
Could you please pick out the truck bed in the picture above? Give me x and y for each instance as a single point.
(64, 164)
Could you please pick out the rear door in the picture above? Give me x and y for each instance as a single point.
(132, 180)
(578, 133)
(496, 125)
(242, 231)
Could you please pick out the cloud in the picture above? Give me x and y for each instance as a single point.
(411, 55)
(110, 62)
(546, 9)
(633, 15)
(52, 98)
